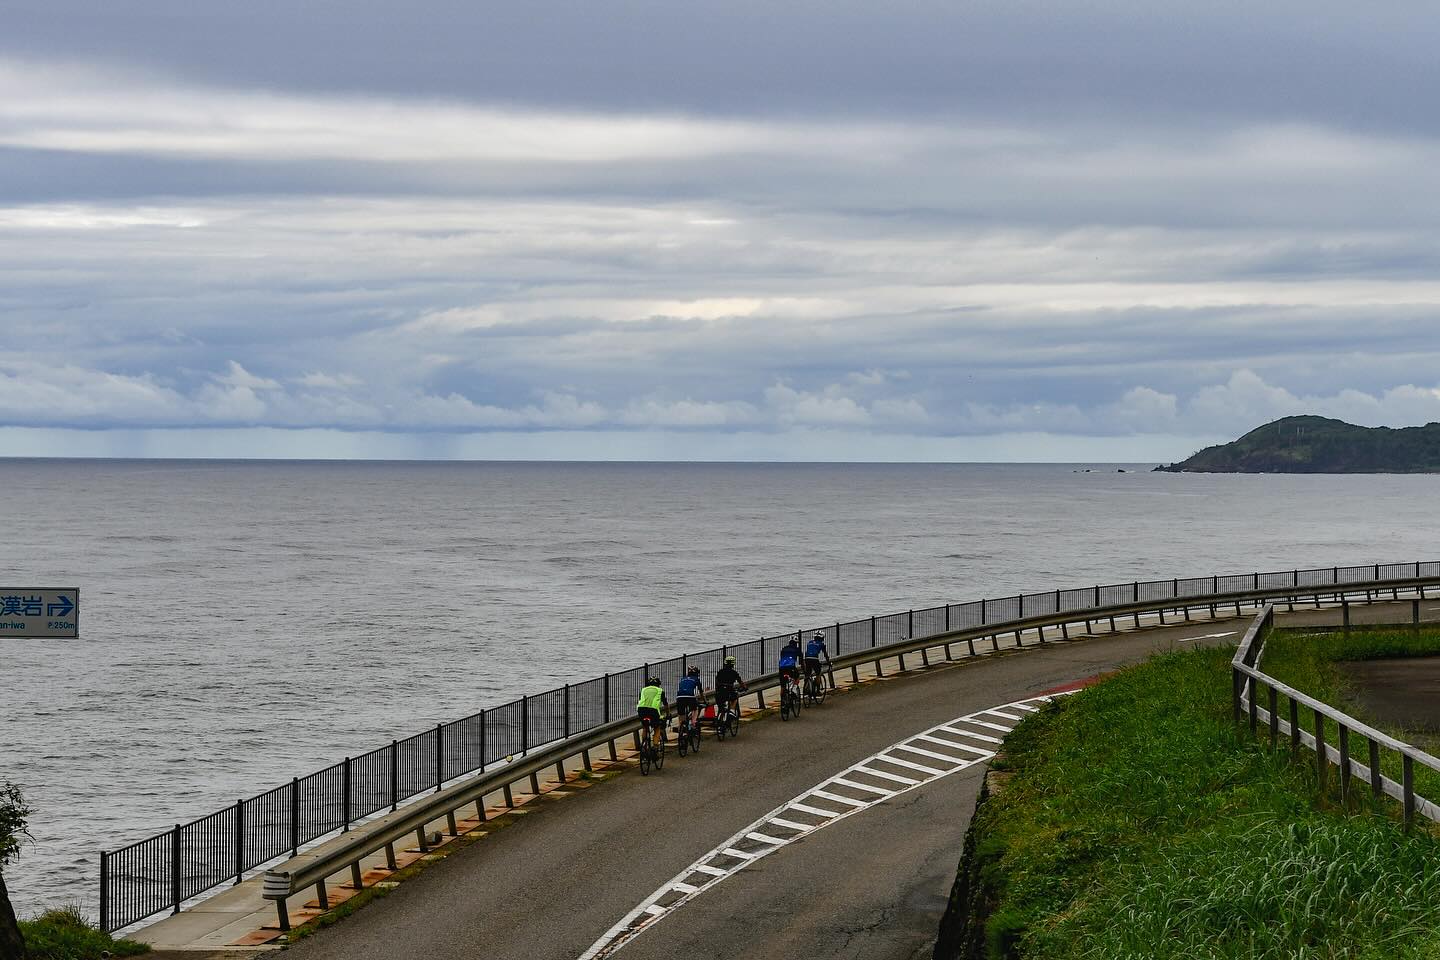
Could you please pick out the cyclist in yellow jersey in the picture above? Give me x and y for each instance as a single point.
(652, 701)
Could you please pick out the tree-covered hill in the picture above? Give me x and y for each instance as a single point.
(1321, 445)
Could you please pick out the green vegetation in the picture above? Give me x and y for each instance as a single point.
(1321, 445)
(1136, 821)
(65, 934)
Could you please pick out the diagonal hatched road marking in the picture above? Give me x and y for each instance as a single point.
(728, 859)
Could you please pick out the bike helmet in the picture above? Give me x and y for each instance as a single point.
(653, 682)
(819, 635)
(729, 661)
(693, 672)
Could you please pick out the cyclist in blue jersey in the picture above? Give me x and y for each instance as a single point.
(688, 694)
(813, 651)
(790, 658)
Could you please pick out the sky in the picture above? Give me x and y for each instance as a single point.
(960, 230)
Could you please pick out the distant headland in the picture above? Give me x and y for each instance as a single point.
(1320, 445)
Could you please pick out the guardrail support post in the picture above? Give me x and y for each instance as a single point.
(390, 861)
(322, 895)
(1375, 787)
(1294, 731)
(175, 868)
(1344, 766)
(450, 822)
(1407, 776)
(105, 892)
(1274, 720)
(1320, 752)
(357, 879)
(240, 839)
(294, 816)
(854, 673)
(282, 914)
(535, 784)
(1252, 689)
(394, 775)
(509, 797)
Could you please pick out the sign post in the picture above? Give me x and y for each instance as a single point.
(49, 612)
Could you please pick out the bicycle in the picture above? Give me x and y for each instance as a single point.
(789, 699)
(689, 737)
(815, 688)
(652, 747)
(727, 719)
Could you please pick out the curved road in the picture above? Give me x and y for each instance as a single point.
(872, 886)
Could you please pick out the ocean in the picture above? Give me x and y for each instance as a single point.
(246, 622)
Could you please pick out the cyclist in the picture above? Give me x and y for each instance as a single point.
(813, 650)
(789, 660)
(652, 701)
(728, 685)
(688, 695)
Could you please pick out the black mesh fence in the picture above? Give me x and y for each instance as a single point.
(168, 868)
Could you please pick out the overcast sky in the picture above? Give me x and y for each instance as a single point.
(946, 230)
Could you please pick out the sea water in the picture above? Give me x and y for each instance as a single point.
(246, 622)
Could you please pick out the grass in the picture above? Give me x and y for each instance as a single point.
(1308, 662)
(65, 934)
(1136, 821)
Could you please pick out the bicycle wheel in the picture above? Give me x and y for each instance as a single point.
(695, 738)
(734, 722)
(820, 687)
(644, 760)
(660, 755)
(784, 704)
(721, 728)
(684, 740)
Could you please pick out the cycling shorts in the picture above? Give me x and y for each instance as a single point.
(651, 714)
(788, 672)
(686, 703)
(812, 664)
(726, 694)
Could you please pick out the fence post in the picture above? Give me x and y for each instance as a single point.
(346, 805)
(482, 740)
(525, 724)
(607, 697)
(947, 625)
(1255, 584)
(872, 631)
(567, 711)
(1021, 599)
(175, 867)
(294, 816)
(1294, 729)
(1135, 592)
(1320, 751)
(1097, 594)
(104, 892)
(1344, 766)
(910, 626)
(394, 775)
(1407, 776)
(1345, 616)
(1415, 614)
(837, 634)
(439, 755)
(1274, 720)
(240, 840)
(1235, 695)
(1375, 787)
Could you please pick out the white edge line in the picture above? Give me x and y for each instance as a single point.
(648, 905)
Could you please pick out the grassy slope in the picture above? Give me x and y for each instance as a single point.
(67, 935)
(1137, 824)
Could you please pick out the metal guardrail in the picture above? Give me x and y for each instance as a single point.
(1246, 677)
(163, 871)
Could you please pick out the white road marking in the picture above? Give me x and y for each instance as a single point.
(957, 746)
(1004, 716)
(982, 737)
(648, 912)
(930, 753)
(886, 776)
(988, 724)
(789, 823)
(863, 786)
(1208, 636)
(913, 766)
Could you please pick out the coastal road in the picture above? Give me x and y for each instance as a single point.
(872, 886)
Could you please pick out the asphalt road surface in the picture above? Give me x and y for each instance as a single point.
(872, 886)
